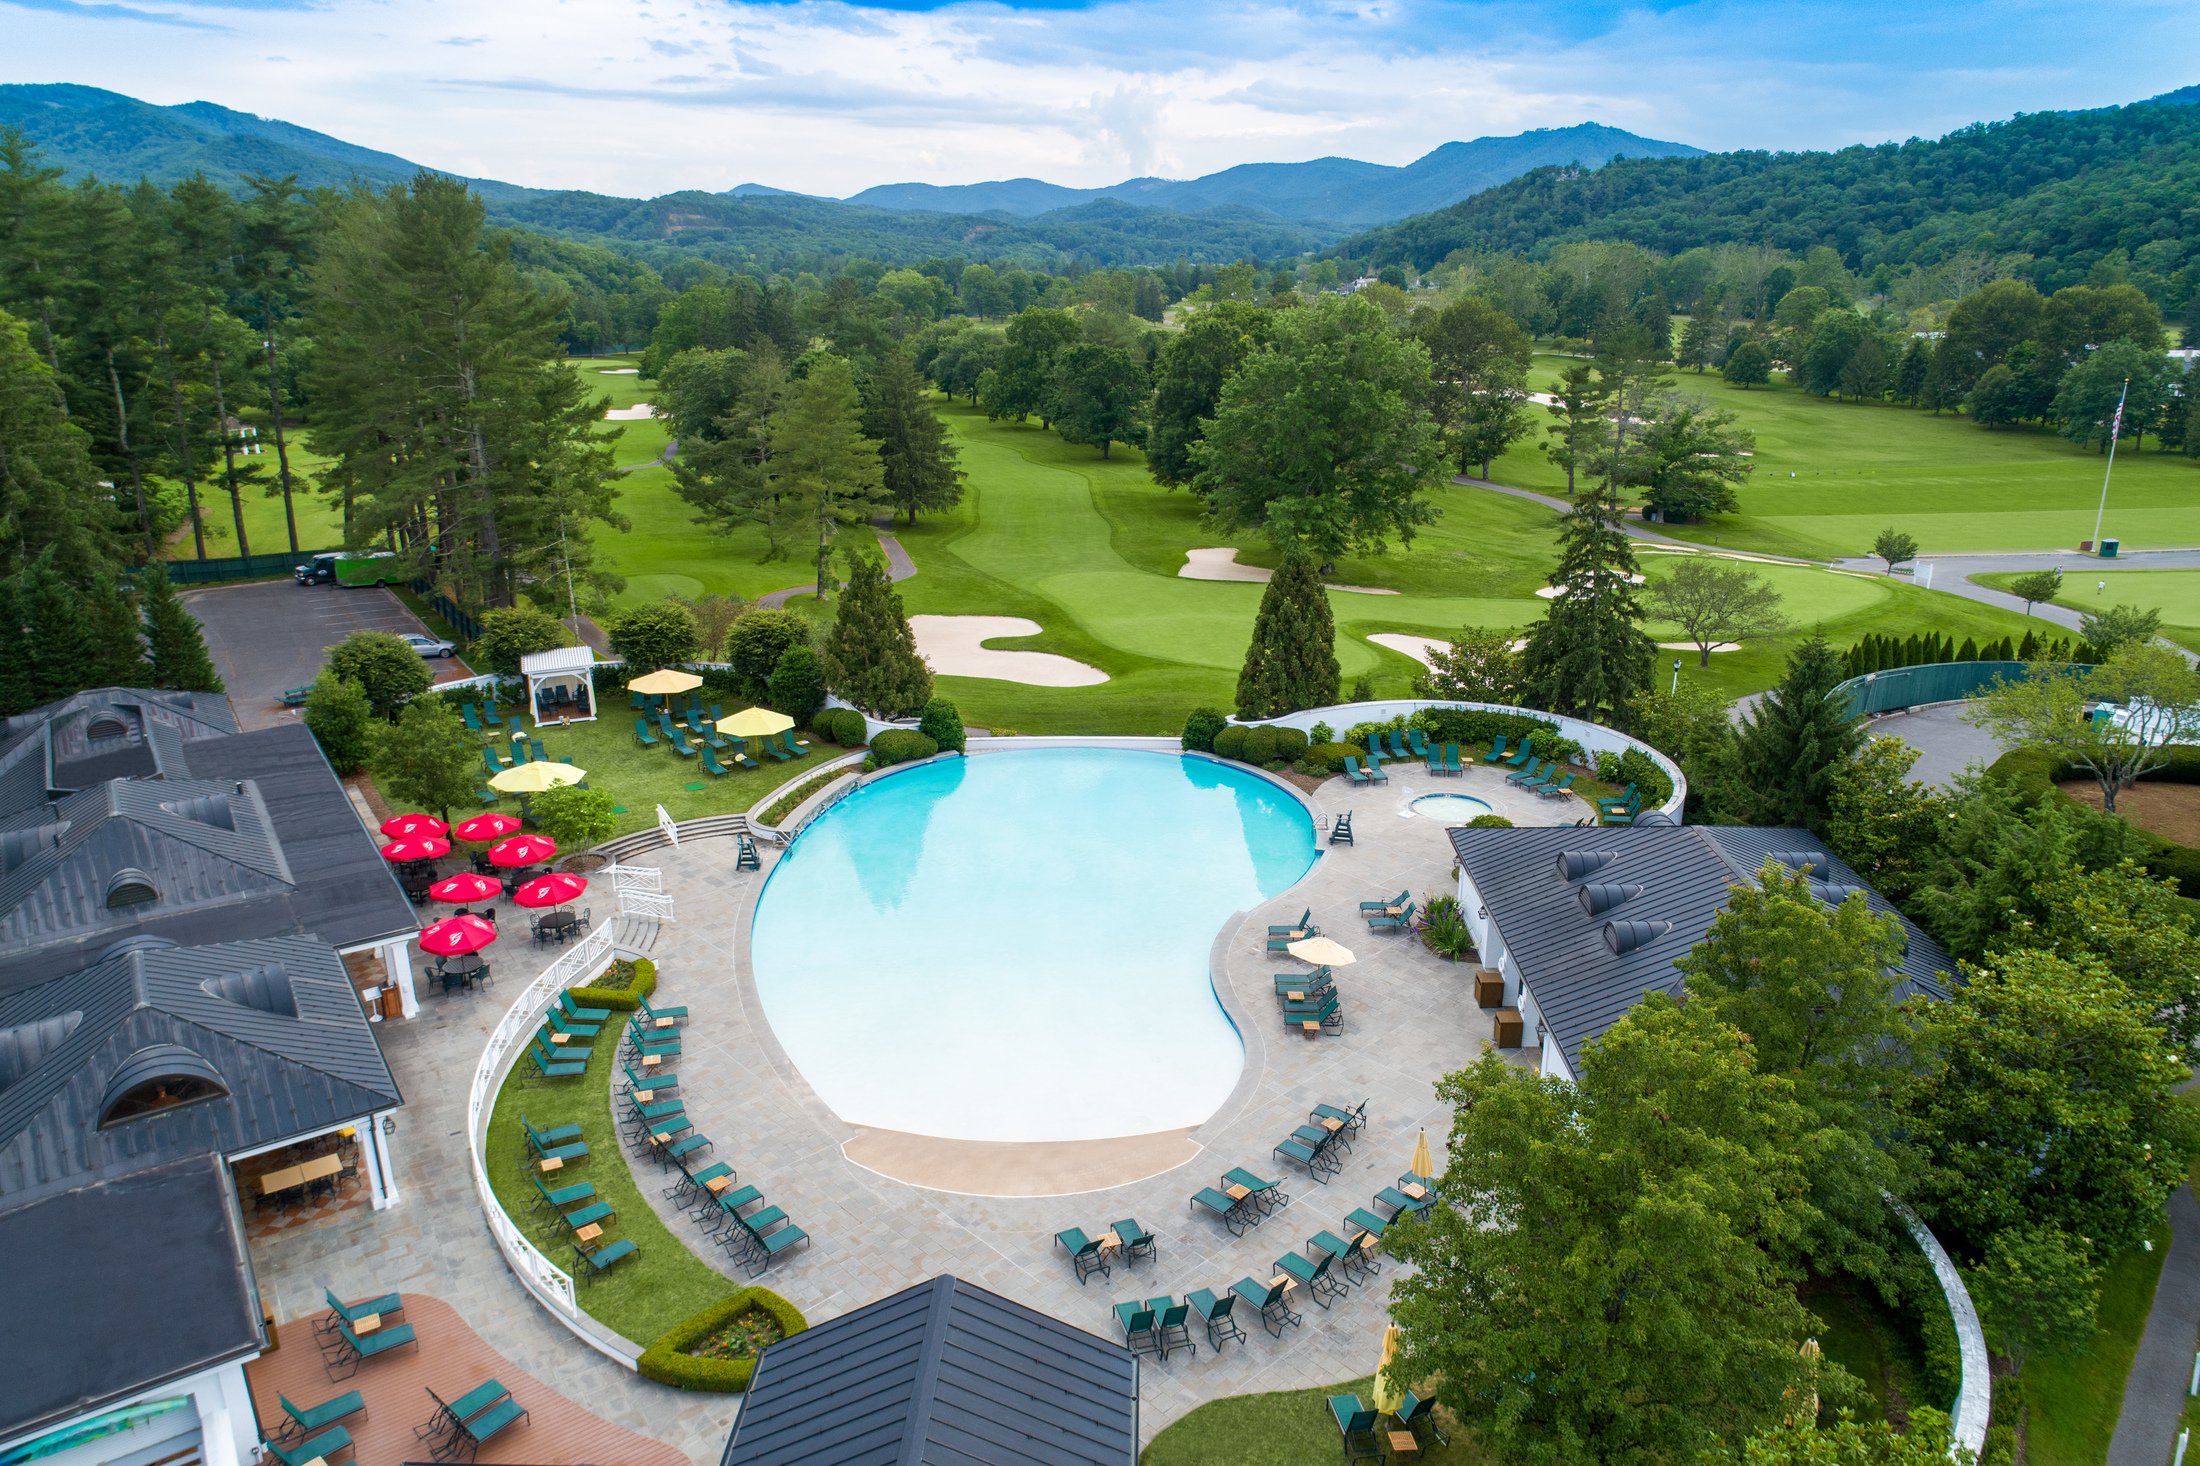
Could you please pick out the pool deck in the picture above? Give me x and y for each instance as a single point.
(1409, 1019)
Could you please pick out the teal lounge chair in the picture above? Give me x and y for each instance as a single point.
(1558, 790)
(1398, 747)
(639, 703)
(1268, 1194)
(473, 718)
(1356, 1423)
(663, 720)
(680, 744)
(1374, 748)
(1299, 1153)
(1403, 921)
(1084, 1253)
(707, 730)
(1327, 1013)
(1353, 771)
(646, 1087)
(794, 747)
(1320, 980)
(1366, 1221)
(1140, 1333)
(545, 1148)
(1316, 1276)
(320, 1448)
(1303, 927)
(1433, 760)
(348, 1350)
(1236, 1215)
(651, 1014)
(1269, 1301)
(1215, 1313)
(582, 1034)
(643, 736)
(1497, 750)
(1137, 1241)
(1354, 1120)
(1416, 742)
(521, 753)
(778, 754)
(1451, 758)
(590, 1265)
(1525, 752)
(576, 1012)
(1398, 900)
(563, 1197)
(298, 1424)
(1619, 800)
(1375, 774)
(1540, 782)
(712, 767)
(551, 1066)
(490, 762)
(1413, 1412)
(1528, 774)
(557, 1134)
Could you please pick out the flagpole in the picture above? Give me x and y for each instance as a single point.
(2115, 430)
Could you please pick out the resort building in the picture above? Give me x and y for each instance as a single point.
(1582, 921)
(184, 1051)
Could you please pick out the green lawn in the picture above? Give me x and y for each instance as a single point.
(1830, 475)
(663, 1282)
(2175, 593)
(1288, 1428)
(639, 779)
(2075, 1397)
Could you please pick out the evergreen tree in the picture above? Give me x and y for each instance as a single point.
(118, 638)
(914, 451)
(1577, 405)
(822, 465)
(1588, 655)
(1910, 377)
(178, 646)
(1700, 340)
(1291, 662)
(1748, 365)
(49, 489)
(871, 655)
(1796, 739)
(15, 672)
(341, 720)
(58, 646)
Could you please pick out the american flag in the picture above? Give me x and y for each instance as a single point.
(2116, 423)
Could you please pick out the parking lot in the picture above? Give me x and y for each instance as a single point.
(272, 635)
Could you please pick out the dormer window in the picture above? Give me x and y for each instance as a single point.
(130, 888)
(107, 725)
(154, 1080)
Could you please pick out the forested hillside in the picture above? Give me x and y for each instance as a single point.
(2064, 191)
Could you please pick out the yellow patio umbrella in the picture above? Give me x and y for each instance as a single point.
(664, 683)
(536, 777)
(1422, 1165)
(1387, 1394)
(754, 723)
(1322, 952)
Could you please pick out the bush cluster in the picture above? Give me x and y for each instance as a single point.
(1467, 725)
(1638, 768)
(941, 721)
(1259, 743)
(1201, 727)
(2037, 772)
(1328, 758)
(844, 726)
(900, 746)
(1489, 822)
(641, 982)
(668, 1362)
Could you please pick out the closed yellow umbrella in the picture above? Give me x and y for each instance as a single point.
(534, 778)
(1322, 952)
(754, 723)
(1422, 1165)
(1387, 1394)
(665, 683)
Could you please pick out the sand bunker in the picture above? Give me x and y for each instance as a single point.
(1552, 592)
(630, 414)
(1221, 564)
(618, 371)
(1416, 647)
(1689, 646)
(955, 646)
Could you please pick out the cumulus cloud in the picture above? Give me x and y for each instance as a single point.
(622, 96)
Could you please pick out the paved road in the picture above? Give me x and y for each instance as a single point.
(898, 567)
(274, 634)
(1945, 744)
(2154, 1393)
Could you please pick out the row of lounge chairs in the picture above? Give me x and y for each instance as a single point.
(1356, 1422)
(1309, 1002)
(312, 1434)
(575, 1205)
(1549, 780)
(350, 1334)
(460, 1428)
(1125, 1241)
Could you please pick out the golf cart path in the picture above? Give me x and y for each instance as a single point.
(898, 567)
(2154, 1391)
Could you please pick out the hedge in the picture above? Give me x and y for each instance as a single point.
(1328, 758)
(1474, 725)
(1230, 742)
(641, 985)
(900, 746)
(785, 803)
(844, 726)
(668, 1361)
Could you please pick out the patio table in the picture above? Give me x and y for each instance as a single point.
(288, 1178)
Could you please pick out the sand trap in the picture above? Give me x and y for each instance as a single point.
(955, 646)
(1416, 647)
(618, 371)
(1221, 564)
(1552, 592)
(630, 414)
(1689, 646)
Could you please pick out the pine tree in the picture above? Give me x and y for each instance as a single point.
(919, 461)
(1291, 662)
(1700, 338)
(1588, 654)
(178, 648)
(821, 462)
(1795, 738)
(118, 638)
(15, 672)
(57, 642)
(871, 655)
(49, 489)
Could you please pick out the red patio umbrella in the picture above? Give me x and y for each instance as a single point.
(551, 890)
(483, 828)
(454, 936)
(460, 889)
(403, 826)
(415, 847)
(523, 850)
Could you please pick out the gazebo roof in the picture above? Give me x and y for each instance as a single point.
(558, 660)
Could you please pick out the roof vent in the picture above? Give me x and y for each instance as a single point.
(22, 1047)
(130, 887)
(162, 1077)
(1800, 859)
(1833, 894)
(1574, 864)
(1599, 897)
(1650, 817)
(265, 988)
(18, 846)
(140, 942)
(205, 809)
(1625, 936)
(108, 724)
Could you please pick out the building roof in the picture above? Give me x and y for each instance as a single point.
(274, 1023)
(1595, 917)
(262, 841)
(106, 733)
(942, 1372)
(97, 1314)
(557, 660)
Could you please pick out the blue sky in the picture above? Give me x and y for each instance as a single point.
(644, 96)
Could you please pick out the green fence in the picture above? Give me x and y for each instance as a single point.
(1907, 687)
(238, 567)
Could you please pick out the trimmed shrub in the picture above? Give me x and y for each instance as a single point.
(900, 746)
(1322, 733)
(797, 685)
(942, 722)
(1637, 767)
(1472, 725)
(1328, 758)
(621, 987)
(1231, 741)
(1290, 743)
(668, 1361)
(1260, 746)
(1200, 727)
(1489, 822)
(844, 726)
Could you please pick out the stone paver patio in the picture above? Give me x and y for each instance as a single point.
(1409, 1019)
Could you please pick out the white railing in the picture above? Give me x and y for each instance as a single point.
(1974, 1389)
(641, 892)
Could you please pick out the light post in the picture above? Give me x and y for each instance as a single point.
(1675, 690)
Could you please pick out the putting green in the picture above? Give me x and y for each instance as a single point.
(2175, 593)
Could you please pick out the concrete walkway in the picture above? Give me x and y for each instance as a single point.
(2161, 1372)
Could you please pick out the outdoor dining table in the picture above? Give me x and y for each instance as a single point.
(564, 919)
(288, 1178)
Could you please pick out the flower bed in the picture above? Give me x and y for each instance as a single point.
(717, 1348)
(620, 986)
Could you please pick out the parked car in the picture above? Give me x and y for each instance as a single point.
(428, 646)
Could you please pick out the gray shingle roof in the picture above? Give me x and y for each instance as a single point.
(1655, 890)
(942, 1372)
(104, 733)
(95, 1314)
(277, 1021)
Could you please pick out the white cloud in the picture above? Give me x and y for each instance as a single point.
(636, 98)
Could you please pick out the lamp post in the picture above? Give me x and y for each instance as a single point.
(1674, 691)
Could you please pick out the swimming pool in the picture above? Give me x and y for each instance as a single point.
(1014, 946)
(1452, 809)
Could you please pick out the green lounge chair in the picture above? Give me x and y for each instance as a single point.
(556, 1134)
(298, 1424)
(1497, 750)
(1526, 774)
(1353, 771)
(1617, 817)
(712, 767)
(1176, 1329)
(1524, 754)
(1303, 1155)
(1398, 900)
(576, 1034)
(1137, 1241)
(1555, 791)
(563, 1197)
(1383, 921)
(1314, 1275)
(1356, 1262)
(770, 1247)
(663, 720)
(1540, 782)
(548, 1149)
(1413, 1412)
(595, 1211)
(1140, 1334)
(347, 1351)
(1084, 1254)
(1400, 1203)
(492, 763)
(1303, 927)
(1268, 1194)
(576, 1012)
(639, 703)
(521, 753)
(550, 1066)
(1356, 1423)
(487, 795)
(680, 744)
(341, 1312)
(741, 761)
(653, 1014)
(1398, 747)
(676, 1152)
(1374, 749)
(1320, 980)
(1269, 1300)
(473, 718)
(1215, 1313)
(1619, 800)
(1366, 1221)
(666, 1046)
(1433, 760)
(643, 736)
(1451, 758)
(793, 746)
(1354, 1120)
(320, 1448)
(1417, 742)
(591, 1265)
(646, 1087)
(1326, 1013)
(778, 755)
(1232, 1214)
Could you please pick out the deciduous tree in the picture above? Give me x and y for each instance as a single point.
(1099, 394)
(513, 632)
(1188, 376)
(1481, 665)
(2035, 586)
(341, 720)
(1894, 546)
(1748, 365)
(2050, 709)
(386, 669)
(1689, 459)
(1714, 602)
(652, 637)
(426, 758)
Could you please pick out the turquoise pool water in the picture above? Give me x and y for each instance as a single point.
(1452, 809)
(1014, 946)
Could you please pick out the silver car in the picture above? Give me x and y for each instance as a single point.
(428, 646)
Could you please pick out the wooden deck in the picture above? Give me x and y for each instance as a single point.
(451, 1359)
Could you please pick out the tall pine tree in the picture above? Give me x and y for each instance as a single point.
(50, 498)
(1292, 660)
(1795, 738)
(178, 647)
(1589, 655)
(118, 638)
(821, 463)
(871, 655)
(57, 641)
(919, 461)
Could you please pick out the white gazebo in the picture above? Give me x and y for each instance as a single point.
(560, 687)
